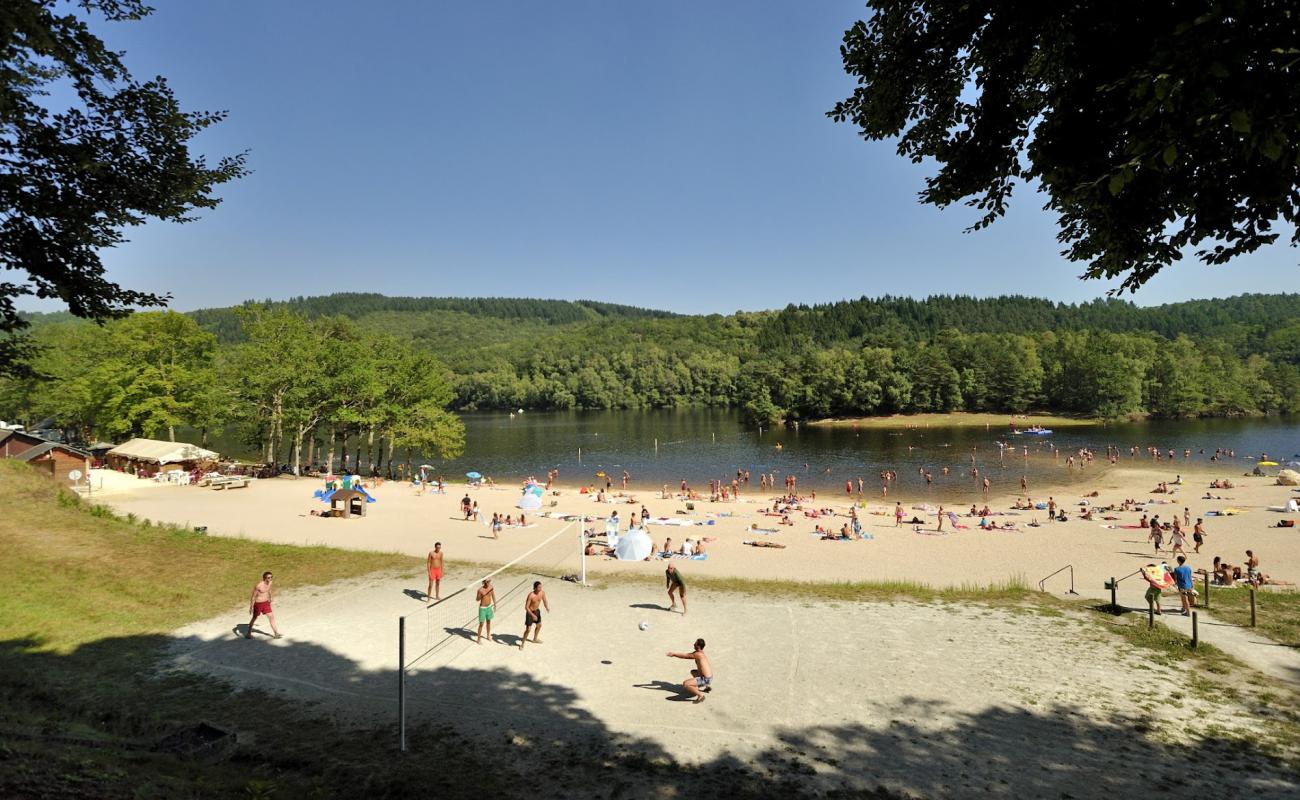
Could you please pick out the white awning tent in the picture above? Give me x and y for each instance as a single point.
(156, 451)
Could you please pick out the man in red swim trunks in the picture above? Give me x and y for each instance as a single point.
(434, 563)
(259, 604)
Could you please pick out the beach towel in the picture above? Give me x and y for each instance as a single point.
(1160, 575)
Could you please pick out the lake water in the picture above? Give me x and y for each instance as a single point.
(657, 447)
(698, 445)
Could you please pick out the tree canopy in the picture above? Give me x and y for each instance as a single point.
(1152, 127)
(75, 174)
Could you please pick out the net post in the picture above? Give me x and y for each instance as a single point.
(582, 546)
(401, 683)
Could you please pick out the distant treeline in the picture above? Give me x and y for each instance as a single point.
(1108, 358)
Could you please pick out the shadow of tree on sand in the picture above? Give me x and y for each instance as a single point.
(94, 722)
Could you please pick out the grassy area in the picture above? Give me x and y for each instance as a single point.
(1277, 614)
(1011, 591)
(957, 420)
(75, 573)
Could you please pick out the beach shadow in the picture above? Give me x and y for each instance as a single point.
(464, 633)
(652, 606)
(507, 639)
(676, 691)
(414, 594)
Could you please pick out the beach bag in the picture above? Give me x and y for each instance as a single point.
(1286, 523)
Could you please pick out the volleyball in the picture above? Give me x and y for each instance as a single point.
(644, 625)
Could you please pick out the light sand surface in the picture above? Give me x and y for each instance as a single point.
(277, 510)
(939, 700)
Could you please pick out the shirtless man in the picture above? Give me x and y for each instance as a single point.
(465, 507)
(259, 604)
(434, 564)
(533, 605)
(702, 676)
(487, 605)
(675, 584)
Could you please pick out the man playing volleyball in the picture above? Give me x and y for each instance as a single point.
(533, 605)
(434, 563)
(675, 584)
(487, 603)
(701, 679)
(259, 604)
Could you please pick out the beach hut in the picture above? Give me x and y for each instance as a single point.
(60, 461)
(348, 503)
(14, 442)
(153, 456)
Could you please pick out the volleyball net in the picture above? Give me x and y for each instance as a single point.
(423, 637)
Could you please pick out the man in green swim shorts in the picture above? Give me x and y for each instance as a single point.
(487, 604)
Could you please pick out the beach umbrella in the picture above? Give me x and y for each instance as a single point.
(473, 475)
(634, 546)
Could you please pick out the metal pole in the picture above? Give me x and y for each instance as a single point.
(1195, 632)
(1114, 604)
(656, 445)
(579, 455)
(401, 683)
(1252, 607)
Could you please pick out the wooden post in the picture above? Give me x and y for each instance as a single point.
(1195, 632)
(1252, 607)
(1114, 603)
(579, 455)
(1206, 601)
(401, 684)
(1151, 614)
(656, 445)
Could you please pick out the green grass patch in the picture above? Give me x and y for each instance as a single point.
(1277, 613)
(75, 573)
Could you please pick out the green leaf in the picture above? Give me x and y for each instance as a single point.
(1117, 182)
(1170, 155)
(1240, 121)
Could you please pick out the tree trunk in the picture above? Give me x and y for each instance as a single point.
(408, 461)
(297, 450)
(370, 452)
(391, 448)
(311, 450)
(329, 457)
(356, 456)
(343, 458)
(203, 437)
(171, 433)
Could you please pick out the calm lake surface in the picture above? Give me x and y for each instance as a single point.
(698, 445)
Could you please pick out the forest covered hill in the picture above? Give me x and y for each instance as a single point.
(1108, 357)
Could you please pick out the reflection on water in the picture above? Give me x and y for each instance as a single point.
(695, 445)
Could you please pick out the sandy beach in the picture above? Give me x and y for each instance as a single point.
(278, 510)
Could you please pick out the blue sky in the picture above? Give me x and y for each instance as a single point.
(672, 154)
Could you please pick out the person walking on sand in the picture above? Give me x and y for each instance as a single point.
(465, 506)
(1051, 508)
(940, 518)
(533, 605)
(1198, 535)
(1157, 534)
(701, 679)
(487, 604)
(434, 565)
(898, 515)
(677, 585)
(259, 605)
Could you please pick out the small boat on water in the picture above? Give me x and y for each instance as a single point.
(1035, 431)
